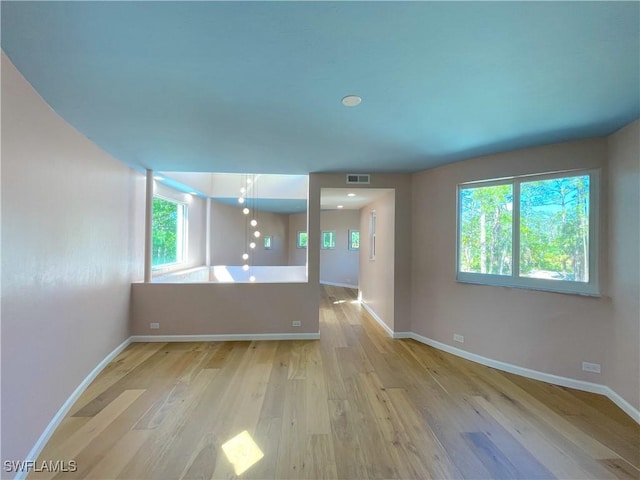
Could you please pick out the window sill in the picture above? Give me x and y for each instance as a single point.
(532, 287)
(167, 268)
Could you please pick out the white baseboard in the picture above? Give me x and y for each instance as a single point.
(335, 284)
(66, 406)
(623, 404)
(629, 409)
(375, 316)
(402, 335)
(226, 337)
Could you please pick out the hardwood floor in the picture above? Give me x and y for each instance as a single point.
(355, 404)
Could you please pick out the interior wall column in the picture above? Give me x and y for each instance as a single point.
(148, 217)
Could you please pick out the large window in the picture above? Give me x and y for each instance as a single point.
(169, 232)
(534, 231)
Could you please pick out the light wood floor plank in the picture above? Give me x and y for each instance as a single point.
(125, 362)
(293, 435)
(114, 461)
(350, 462)
(424, 443)
(77, 441)
(590, 445)
(354, 405)
(320, 462)
(562, 465)
(175, 413)
(318, 422)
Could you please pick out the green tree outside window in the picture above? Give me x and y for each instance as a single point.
(166, 231)
(328, 240)
(302, 239)
(354, 239)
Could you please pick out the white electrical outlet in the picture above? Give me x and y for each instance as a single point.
(154, 326)
(591, 367)
(296, 323)
(458, 338)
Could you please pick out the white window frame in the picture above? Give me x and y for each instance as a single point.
(351, 247)
(322, 239)
(182, 240)
(373, 220)
(298, 239)
(590, 288)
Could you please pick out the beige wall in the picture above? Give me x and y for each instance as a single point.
(216, 308)
(276, 225)
(376, 279)
(623, 357)
(66, 260)
(543, 331)
(297, 223)
(228, 236)
(196, 215)
(339, 265)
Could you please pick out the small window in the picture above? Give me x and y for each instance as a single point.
(302, 240)
(267, 242)
(169, 222)
(354, 239)
(533, 231)
(328, 240)
(372, 236)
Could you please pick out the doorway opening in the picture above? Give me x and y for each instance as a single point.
(357, 246)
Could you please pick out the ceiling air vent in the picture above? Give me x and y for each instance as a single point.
(358, 178)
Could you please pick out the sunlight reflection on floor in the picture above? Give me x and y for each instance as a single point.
(242, 452)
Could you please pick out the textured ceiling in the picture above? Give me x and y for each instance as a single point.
(256, 86)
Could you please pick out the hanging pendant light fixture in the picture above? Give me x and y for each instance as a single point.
(247, 198)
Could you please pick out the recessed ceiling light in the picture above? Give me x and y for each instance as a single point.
(340, 206)
(351, 101)
(351, 194)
